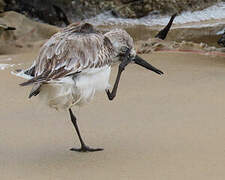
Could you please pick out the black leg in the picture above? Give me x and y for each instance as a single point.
(123, 64)
(84, 147)
(163, 33)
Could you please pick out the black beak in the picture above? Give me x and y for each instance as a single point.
(221, 42)
(10, 28)
(138, 60)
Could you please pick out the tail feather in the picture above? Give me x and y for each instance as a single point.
(38, 79)
(29, 82)
(35, 90)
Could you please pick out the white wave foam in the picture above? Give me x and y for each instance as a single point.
(214, 12)
(4, 66)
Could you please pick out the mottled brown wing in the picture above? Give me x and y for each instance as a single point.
(70, 52)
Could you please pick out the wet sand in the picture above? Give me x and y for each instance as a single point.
(158, 127)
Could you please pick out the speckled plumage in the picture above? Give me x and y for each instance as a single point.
(76, 62)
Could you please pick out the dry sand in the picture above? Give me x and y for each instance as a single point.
(167, 127)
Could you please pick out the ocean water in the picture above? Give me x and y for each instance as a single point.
(215, 12)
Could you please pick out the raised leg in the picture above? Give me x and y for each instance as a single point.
(84, 147)
(163, 33)
(123, 64)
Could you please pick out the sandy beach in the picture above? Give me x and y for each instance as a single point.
(158, 127)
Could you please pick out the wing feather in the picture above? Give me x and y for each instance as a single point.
(71, 51)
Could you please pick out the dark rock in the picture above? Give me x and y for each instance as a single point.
(61, 15)
(77, 10)
(27, 31)
(2, 5)
(140, 8)
(44, 10)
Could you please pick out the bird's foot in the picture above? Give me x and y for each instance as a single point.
(85, 148)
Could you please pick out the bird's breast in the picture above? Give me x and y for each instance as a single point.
(94, 78)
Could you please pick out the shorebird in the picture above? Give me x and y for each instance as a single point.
(221, 41)
(163, 33)
(76, 62)
(4, 27)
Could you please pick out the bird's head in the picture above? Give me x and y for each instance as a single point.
(123, 43)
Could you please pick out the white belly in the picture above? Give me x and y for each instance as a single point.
(75, 91)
